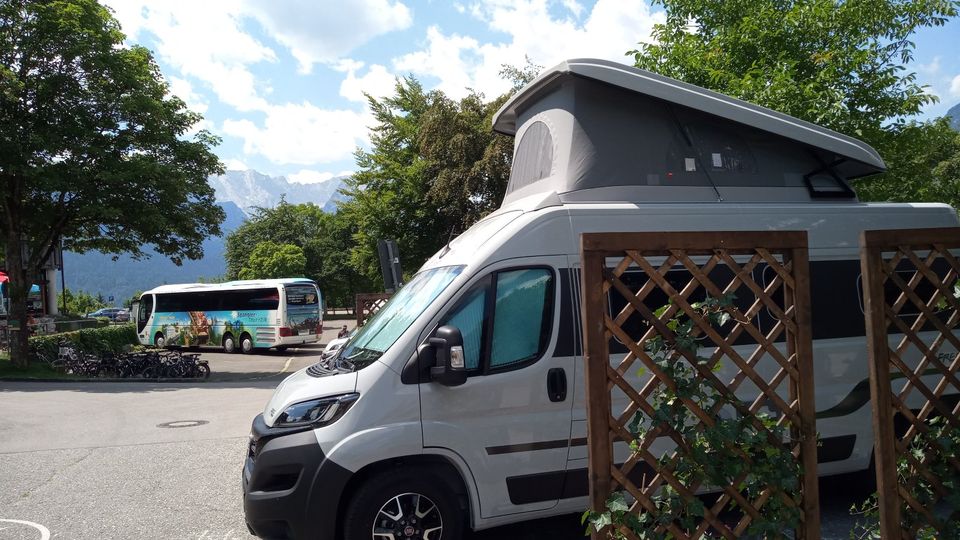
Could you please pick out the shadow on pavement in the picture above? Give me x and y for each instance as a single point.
(130, 387)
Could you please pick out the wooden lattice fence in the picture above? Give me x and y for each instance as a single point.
(757, 358)
(912, 308)
(369, 304)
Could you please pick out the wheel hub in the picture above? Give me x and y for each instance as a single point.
(408, 516)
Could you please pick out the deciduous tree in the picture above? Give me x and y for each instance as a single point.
(270, 260)
(92, 146)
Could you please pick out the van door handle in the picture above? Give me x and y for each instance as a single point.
(557, 384)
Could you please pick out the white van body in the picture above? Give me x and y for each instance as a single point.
(506, 444)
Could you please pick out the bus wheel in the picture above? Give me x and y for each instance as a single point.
(281, 348)
(229, 345)
(159, 340)
(246, 344)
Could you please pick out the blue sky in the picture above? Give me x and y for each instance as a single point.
(282, 81)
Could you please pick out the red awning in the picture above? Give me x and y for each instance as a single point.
(3, 278)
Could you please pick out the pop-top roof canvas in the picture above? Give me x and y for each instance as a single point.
(591, 130)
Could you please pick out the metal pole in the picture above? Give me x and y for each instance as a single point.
(63, 279)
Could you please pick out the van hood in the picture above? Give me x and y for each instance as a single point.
(302, 387)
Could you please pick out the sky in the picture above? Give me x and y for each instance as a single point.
(282, 82)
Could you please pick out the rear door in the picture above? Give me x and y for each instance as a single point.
(510, 422)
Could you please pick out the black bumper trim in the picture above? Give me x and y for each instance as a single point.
(290, 489)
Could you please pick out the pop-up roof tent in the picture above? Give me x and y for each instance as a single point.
(592, 130)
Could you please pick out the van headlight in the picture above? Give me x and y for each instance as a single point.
(316, 412)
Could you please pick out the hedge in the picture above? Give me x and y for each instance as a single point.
(110, 339)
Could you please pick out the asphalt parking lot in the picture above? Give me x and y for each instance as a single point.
(163, 460)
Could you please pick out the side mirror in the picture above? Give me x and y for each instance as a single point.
(450, 368)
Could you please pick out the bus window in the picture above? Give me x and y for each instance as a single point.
(301, 295)
(146, 308)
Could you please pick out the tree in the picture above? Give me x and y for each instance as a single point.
(435, 168)
(842, 65)
(128, 303)
(324, 238)
(80, 303)
(94, 150)
(270, 260)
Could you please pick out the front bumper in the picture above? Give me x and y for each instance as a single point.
(290, 490)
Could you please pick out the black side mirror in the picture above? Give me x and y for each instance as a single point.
(450, 368)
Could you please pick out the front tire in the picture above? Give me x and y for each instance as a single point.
(229, 345)
(403, 504)
(246, 344)
(159, 340)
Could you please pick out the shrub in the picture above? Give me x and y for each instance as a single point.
(110, 339)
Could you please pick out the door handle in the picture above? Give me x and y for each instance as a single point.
(557, 384)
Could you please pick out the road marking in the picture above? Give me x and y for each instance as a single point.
(285, 366)
(44, 532)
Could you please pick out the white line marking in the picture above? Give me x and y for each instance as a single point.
(285, 366)
(44, 533)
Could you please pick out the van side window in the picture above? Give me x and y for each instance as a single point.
(520, 316)
(505, 320)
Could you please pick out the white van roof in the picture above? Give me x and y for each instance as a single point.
(595, 124)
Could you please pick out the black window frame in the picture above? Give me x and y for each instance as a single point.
(489, 282)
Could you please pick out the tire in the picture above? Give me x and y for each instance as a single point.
(281, 348)
(203, 371)
(408, 503)
(246, 344)
(159, 340)
(229, 345)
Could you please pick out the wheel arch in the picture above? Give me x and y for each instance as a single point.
(440, 466)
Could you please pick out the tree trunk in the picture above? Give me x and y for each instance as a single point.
(18, 287)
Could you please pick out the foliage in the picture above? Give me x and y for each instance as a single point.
(325, 239)
(743, 452)
(80, 303)
(94, 150)
(842, 65)
(270, 260)
(128, 303)
(110, 339)
(939, 466)
(435, 168)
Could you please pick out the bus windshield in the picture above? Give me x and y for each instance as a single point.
(384, 328)
(303, 309)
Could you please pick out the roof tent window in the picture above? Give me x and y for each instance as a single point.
(533, 158)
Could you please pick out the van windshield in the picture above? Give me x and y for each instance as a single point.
(383, 329)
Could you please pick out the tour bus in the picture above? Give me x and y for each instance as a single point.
(461, 403)
(237, 315)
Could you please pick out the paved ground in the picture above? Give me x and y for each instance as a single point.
(90, 460)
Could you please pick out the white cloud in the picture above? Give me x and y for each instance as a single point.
(302, 134)
(306, 176)
(932, 69)
(610, 29)
(202, 40)
(955, 86)
(234, 164)
(378, 81)
(184, 90)
(324, 31)
(575, 7)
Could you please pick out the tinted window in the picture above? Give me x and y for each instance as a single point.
(249, 299)
(301, 295)
(505, 320)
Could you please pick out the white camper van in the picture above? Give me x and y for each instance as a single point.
(461, 403)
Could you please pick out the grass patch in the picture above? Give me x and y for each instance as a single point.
(35, 370)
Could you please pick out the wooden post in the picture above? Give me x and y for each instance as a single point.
(803, 390)
(596, 359)
(885, 455)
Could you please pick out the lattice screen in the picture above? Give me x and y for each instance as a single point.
(912, 306)
(368, 304)
(758, 358)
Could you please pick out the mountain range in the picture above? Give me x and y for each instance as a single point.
(238, 193)
(954, 115)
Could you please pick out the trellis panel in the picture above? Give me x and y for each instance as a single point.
(912, 309)
(368, 304)
(605, 258)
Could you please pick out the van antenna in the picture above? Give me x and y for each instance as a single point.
(696, 154)
(446, 248)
